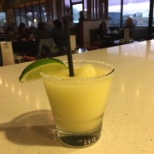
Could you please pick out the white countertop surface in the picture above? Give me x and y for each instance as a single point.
(26, 121)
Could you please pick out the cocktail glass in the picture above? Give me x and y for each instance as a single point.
(78, 104)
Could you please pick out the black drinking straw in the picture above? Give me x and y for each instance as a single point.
(68, 45)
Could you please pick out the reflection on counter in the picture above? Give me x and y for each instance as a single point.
(145, 49)
(12, 90)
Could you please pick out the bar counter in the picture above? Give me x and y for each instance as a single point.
(26, 120)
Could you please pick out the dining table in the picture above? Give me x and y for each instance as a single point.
(27, 124)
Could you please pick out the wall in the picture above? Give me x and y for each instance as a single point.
(1, 6)
(10, 16)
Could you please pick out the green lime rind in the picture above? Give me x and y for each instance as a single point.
(32, 71)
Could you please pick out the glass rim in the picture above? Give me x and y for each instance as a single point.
(71, 79)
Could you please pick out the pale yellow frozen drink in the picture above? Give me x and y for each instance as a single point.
(78, 102)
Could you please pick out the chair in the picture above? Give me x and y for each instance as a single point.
(47, 48)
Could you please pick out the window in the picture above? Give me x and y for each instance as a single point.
(76, 6)
(138, 10)
(2, 21)
(74, 1)
(29, 15)
(153, 14)
(43, 13)
(2, 18)
(36, 14)
(67, 3)
(114, 10)
(23, 15)
(76, 9)
(17, 16)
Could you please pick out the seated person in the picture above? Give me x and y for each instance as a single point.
(23, 33)
(42, 32)
(32, 31)
(102, 37)
(102, 30)
(129, 25)
(10, 34)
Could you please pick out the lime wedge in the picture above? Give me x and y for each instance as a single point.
(45, 65)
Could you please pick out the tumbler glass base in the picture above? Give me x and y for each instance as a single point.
(79, 140)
